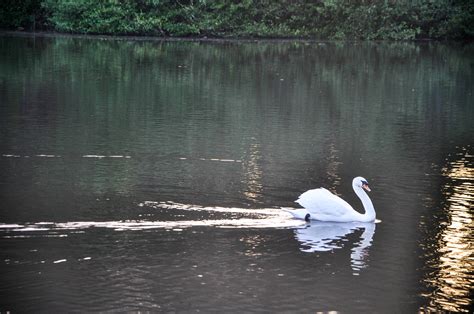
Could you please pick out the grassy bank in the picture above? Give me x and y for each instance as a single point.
(323, 19)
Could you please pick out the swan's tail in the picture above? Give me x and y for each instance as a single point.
(299, 213)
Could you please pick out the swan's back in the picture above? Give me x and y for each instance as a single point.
(323, 205)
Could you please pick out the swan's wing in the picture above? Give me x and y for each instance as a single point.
(322, 202)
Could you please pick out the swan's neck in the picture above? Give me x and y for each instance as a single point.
(369, 214)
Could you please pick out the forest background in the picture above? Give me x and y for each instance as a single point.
(315, 19)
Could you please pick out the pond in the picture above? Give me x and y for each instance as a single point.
(150, 175)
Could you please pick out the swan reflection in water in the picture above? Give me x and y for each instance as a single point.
(320, 236)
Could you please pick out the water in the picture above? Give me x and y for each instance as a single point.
(149, 175)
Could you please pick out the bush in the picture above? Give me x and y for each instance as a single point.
(99, 17)
(323, 19)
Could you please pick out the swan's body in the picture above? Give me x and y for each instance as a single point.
(322, 205)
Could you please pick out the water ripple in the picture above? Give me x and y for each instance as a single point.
(450, 278)
(266, 218)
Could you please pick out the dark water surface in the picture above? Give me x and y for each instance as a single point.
(148, 175)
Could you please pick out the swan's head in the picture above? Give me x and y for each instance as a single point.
(360, 182)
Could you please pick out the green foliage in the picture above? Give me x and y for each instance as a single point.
(322, 19)
(100, 17)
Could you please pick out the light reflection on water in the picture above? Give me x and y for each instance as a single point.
(451, 278)
(252, 172)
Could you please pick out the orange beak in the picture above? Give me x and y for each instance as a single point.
(366, 187)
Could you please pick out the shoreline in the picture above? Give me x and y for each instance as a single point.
(51, 34)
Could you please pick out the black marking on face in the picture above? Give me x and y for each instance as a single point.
(365, 182)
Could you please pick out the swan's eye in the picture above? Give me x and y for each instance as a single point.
(365, 182)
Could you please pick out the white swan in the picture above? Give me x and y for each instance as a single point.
(320, 204)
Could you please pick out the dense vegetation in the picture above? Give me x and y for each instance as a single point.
(322, 19)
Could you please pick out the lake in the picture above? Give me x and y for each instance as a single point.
(149, 175)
